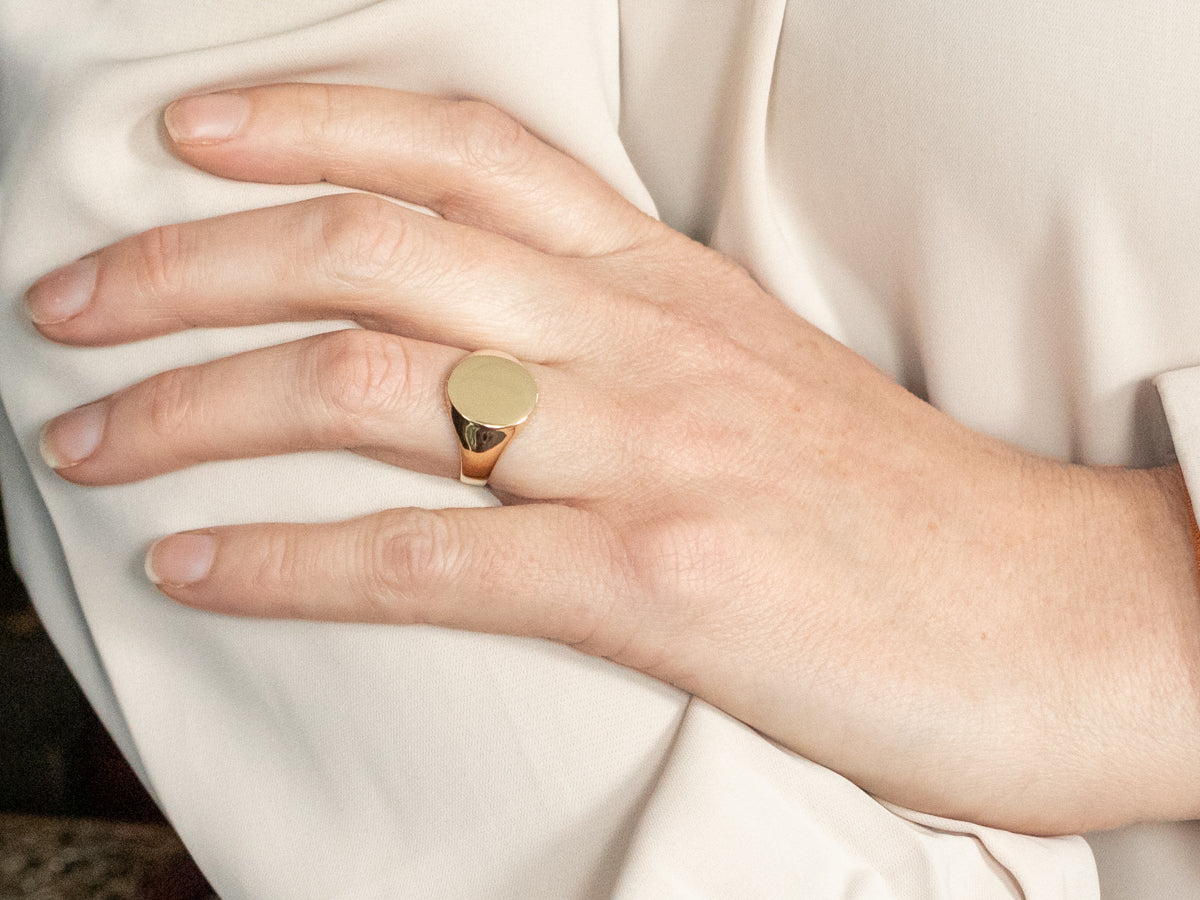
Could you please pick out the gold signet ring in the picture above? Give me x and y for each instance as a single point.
(491, 395)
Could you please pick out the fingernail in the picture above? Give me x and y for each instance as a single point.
(181, 558)
(63, 293)
(206, 118)
(74, 436)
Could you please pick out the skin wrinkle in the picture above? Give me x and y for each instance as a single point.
(364, 244)
(360, 376)
(161, 262)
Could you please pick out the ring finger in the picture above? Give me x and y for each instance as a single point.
(374, 393)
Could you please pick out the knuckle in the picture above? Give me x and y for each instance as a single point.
(486, 138)
(676, 559)
(360, 239)
(278, 566)
(330, 114)
(159, 266)
(411, 557)
(606, 623)
(170, 403)
(357, 375)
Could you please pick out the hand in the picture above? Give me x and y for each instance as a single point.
(711, 490)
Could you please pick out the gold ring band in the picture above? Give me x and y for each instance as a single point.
(490, 395)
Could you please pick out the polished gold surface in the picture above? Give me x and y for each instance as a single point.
(492, 390)
(490, 396)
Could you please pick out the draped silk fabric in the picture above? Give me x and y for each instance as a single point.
(998, 204)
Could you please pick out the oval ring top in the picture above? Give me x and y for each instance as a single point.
(492, 389)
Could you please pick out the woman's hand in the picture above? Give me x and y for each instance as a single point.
(711, 490)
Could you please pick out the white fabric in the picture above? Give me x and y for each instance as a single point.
(997, 203)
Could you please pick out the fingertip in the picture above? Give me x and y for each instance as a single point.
(206, 118)
(73, 437)
(180, 560)
(62, 294)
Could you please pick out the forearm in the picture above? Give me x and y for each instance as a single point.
(1138, 635)
(1090, 635)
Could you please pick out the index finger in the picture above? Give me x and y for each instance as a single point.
(466, 160)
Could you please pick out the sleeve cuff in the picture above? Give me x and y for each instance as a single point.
(1180, 393)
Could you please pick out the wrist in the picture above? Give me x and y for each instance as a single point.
(1136, 574)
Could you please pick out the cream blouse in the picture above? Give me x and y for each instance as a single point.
(997, 203)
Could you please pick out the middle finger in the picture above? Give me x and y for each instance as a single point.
(345, 256)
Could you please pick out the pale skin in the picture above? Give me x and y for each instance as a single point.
(711, 490)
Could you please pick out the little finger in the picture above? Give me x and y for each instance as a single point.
(538, 570)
